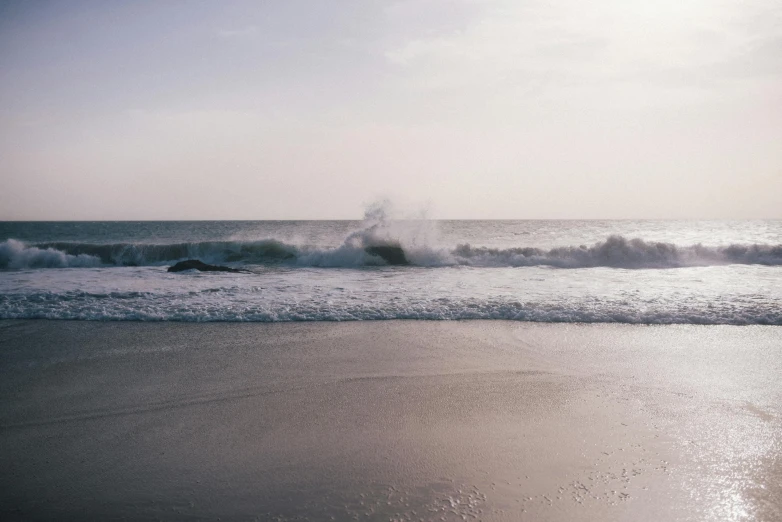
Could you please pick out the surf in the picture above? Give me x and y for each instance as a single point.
(367, 248)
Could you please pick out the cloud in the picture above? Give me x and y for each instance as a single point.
(606, 41)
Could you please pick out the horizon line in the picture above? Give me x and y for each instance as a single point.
(389, 219)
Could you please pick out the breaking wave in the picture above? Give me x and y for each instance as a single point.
(614, 252)
(15, 254)
(620, 252)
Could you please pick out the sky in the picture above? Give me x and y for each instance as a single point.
(496, 109)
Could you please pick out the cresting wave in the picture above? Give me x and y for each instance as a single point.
(614, 252)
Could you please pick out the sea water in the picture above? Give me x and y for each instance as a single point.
(704, 272)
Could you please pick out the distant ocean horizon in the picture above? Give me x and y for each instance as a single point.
(610, 271)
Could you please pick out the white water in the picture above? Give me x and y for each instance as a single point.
(633, 272)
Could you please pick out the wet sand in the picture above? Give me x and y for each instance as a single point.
(389, 421)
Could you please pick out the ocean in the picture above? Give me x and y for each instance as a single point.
(646, 272)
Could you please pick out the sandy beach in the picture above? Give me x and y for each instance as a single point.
(397, 420)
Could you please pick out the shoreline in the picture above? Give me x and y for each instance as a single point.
(499, 420)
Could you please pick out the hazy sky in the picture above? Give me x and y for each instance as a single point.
(471, 109)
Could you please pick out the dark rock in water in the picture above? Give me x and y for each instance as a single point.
(393, 255)
(195, 264)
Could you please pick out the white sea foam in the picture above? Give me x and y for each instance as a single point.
(208, 307)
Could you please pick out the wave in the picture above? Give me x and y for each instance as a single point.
(614, 252)
(15, 254)
(620, 252)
